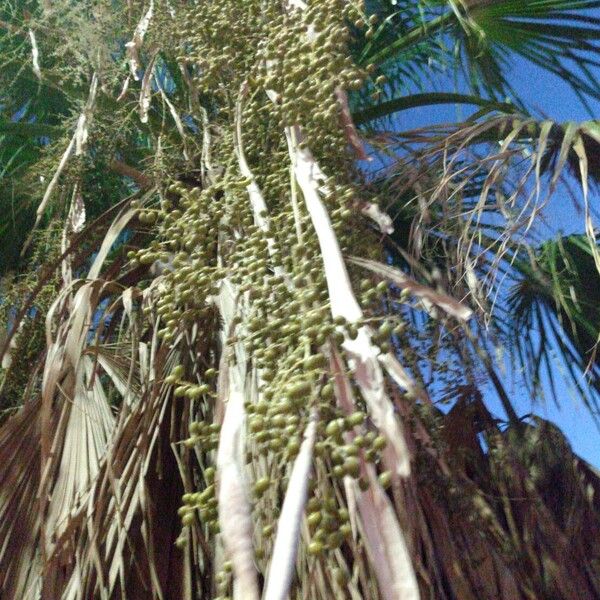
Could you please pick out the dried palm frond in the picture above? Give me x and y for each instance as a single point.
(226, 405)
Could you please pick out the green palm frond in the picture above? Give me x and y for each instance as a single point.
(558, 36)
(476, 42)
(218, 379)
(390, 107)
(558, 299)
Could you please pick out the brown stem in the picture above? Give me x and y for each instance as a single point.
(122, 168)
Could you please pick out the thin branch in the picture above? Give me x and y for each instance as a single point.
(121, 168)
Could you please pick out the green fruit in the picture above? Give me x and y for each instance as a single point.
(188, 519)
(335, 539)
(385, 330)
(333, 428)
(338, 471)
(355, 419)
(379, 443)
(346, 529)
(385, 479)
(360, 441)
(352, 466)
(314, 361)
(262, 485)
(327, 391)
(180, 391)
(293, 447)
(315, 548)
(299, 389)
(314, 519)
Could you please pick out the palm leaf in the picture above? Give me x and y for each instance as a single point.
(209, 316)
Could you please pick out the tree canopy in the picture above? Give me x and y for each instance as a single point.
(250, 323)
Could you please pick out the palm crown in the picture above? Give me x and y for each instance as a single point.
(205, 297)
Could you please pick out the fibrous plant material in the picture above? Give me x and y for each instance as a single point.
(229, 403)
(291, 314)
(259, 241)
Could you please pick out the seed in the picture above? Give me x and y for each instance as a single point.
(352, 466)
(315, 548)
(187, 519)
(333, 428)
(327, 391)
(385, 479)
(355, 419)
(299, 389)
(262, 485)
(314, 519)
(379, 443)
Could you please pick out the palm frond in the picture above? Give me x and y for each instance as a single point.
(205, 315)
(556, 297)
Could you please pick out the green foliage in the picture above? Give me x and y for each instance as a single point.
(198, 303)
(558, 297)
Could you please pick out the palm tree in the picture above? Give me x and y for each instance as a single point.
(238, 363)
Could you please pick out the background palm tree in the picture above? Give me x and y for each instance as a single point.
(206, 298)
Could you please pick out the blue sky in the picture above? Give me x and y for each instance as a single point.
(545, 95)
